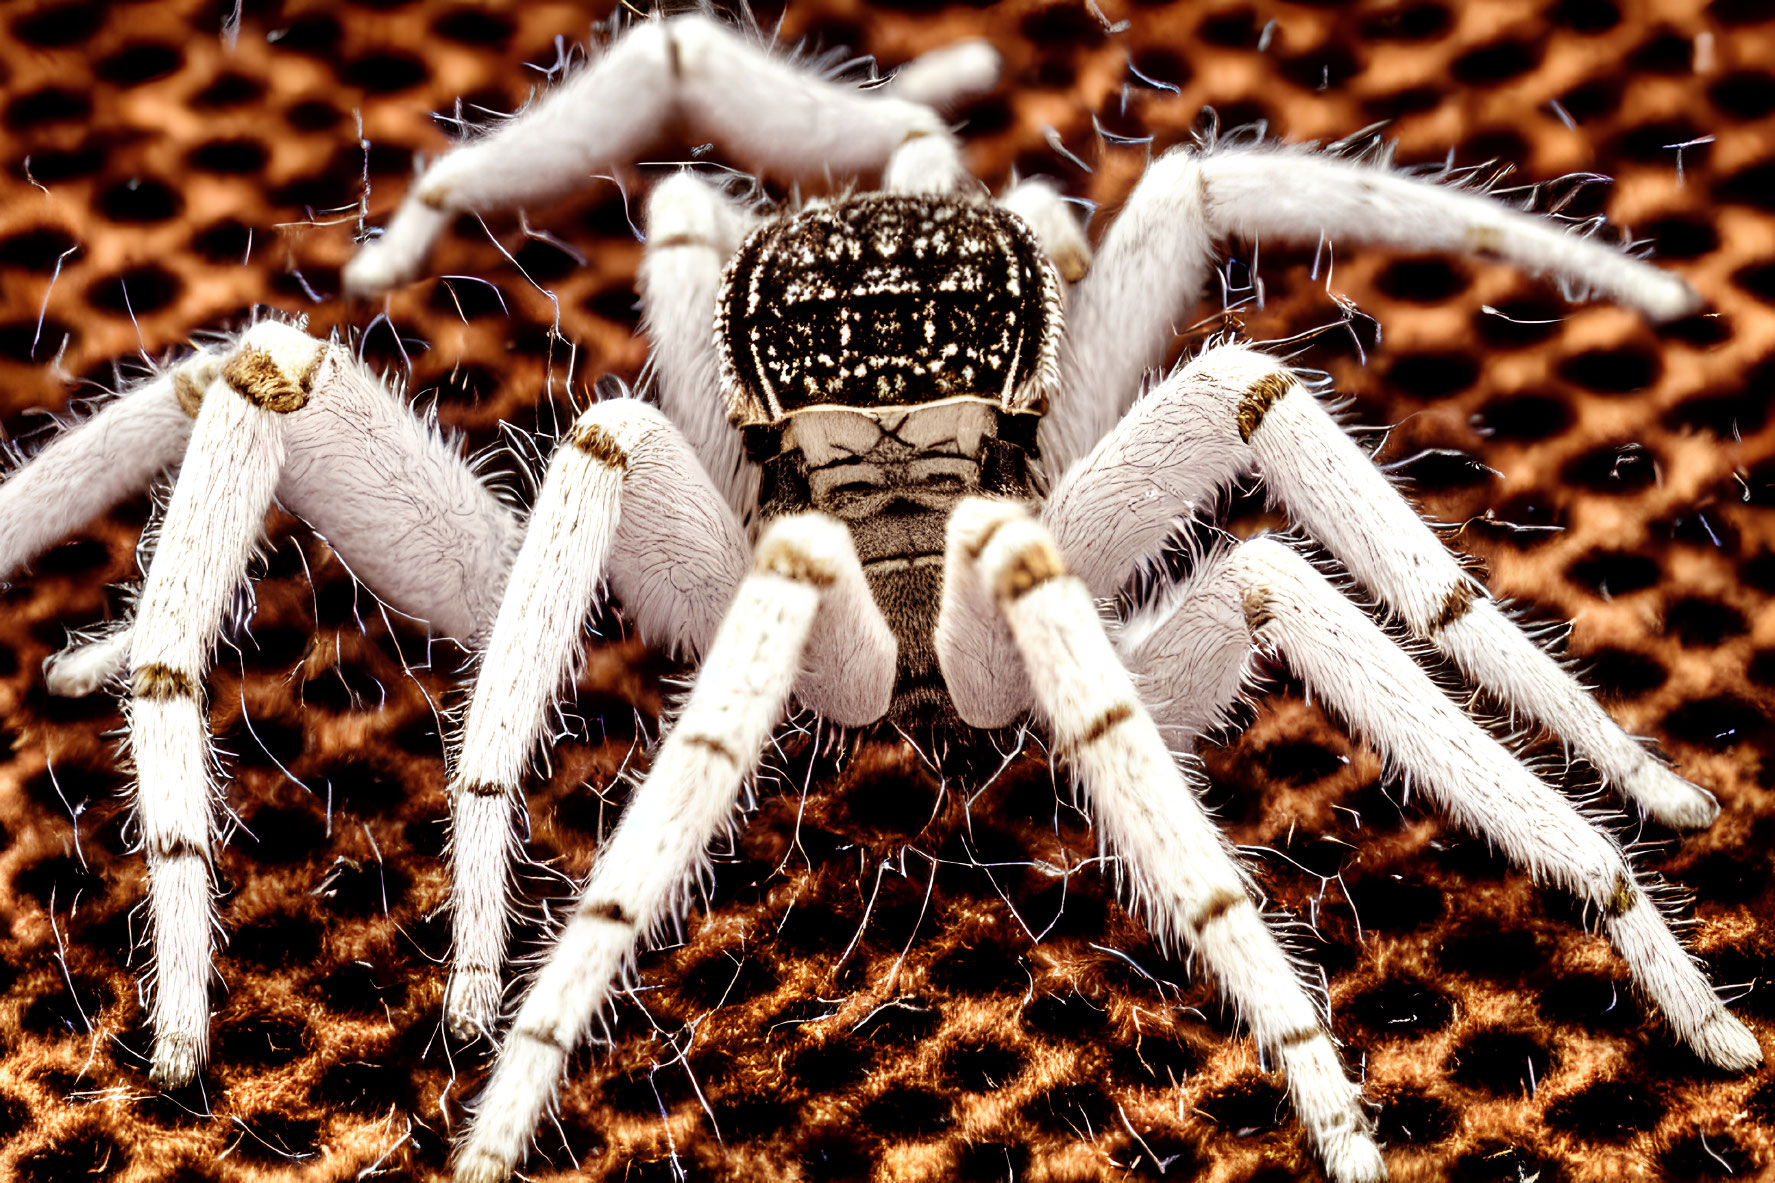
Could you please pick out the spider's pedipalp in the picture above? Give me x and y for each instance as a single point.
(688, 795)
(1182, 874)
(625, 503)
(687, 72)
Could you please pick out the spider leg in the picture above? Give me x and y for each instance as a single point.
(1264, 593)
(1154, 262)
(688, 72)
(1181, 873)
(213, 523)
(642, 873)
(1040, 204)
(625, 501)
(692, 230)
(97, 463)
(1234, 409)
(274, 413)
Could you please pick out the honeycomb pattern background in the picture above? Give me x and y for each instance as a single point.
(900, 975)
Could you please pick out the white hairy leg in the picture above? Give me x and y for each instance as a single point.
(624, 502)
(1264, 592)
(692, 230)
(690, 72)
(1153, 264)
(1056, 227)
(86, 665)
(946, 78)
(395, 499)
(1182, 875)
(1235, 409)
(213, 523)
(91, 466)
(641, 874)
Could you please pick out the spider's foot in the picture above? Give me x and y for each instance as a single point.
(478, 1166)
(471, 1003)
(79, 670)
(1728, 1043)
(399, 256)
(1352, 1157)
(177, 1058)
(1669, 798)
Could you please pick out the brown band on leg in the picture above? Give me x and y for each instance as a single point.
(1259, 399)
(255, 376)
(1037, 564)
(162, 683)
(1459, 603)
(1105, 723)
(600, 445)
(1217, 906)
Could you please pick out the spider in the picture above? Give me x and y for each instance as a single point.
(895, 481)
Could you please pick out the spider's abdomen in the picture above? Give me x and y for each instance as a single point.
(887, 301)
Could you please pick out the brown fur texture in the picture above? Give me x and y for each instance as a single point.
(901, 973)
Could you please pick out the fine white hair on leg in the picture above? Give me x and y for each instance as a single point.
(927, 163)
(1150, 269)
(982, 668)
(1056, 227)
(689, 71)
(394, 499)
(643, 870)
(946, 78)
(624, 501)
(1179, 869)
(1153, 263)
(1189, 653)
(86, 665)
(1388, 701)
(1168, 458)
(692, 230)
(1303, 195)
(1332, 488)
(213, 523)
(98, 462)
(1233, 409)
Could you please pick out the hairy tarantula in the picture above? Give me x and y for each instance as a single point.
(899, 457)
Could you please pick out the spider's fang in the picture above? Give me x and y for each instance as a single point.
(162, 683)
(600, 445)
(255, 376)
(1259, 399)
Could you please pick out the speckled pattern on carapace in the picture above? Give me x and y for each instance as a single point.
(900, 975)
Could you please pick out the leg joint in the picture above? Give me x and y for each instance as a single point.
(1035, 565)
(257, 377)
(1257, 401)
(162, 683)
(600, 445)
(1218, 905)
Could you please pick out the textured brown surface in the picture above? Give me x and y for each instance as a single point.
(1498, 1038)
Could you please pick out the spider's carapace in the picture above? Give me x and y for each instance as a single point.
(887, 355)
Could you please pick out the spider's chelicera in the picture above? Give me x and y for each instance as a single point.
(887, 485)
